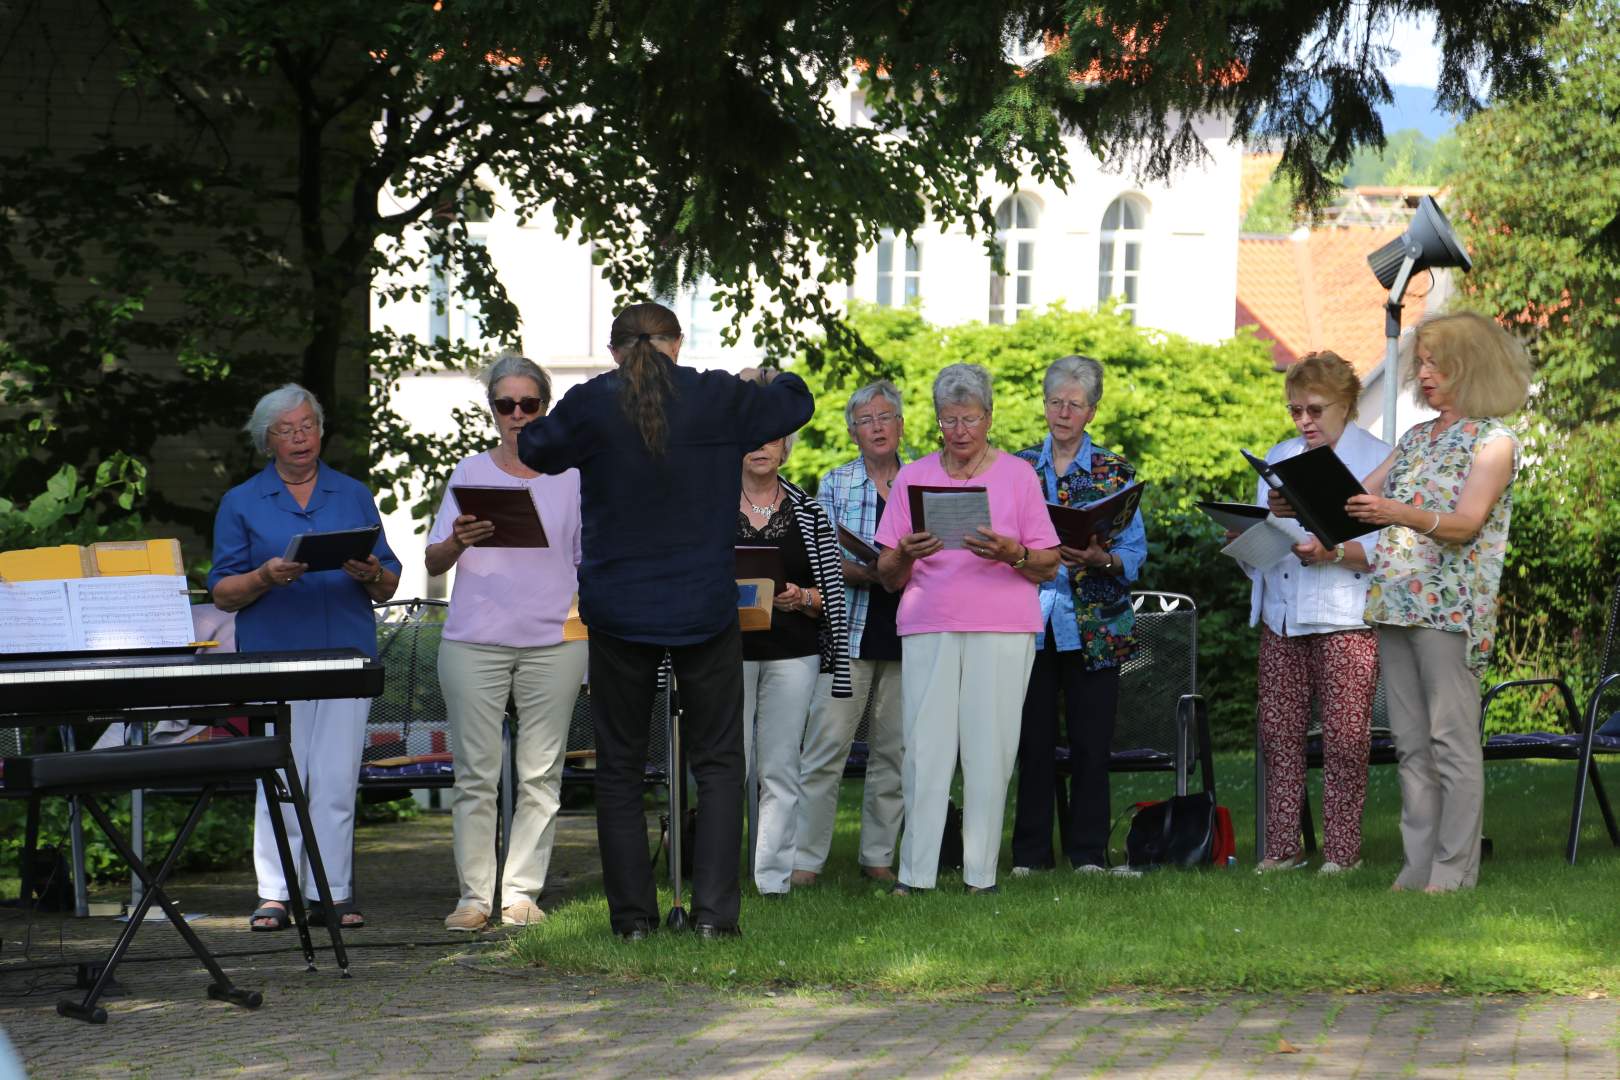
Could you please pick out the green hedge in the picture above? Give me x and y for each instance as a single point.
(1178, 409)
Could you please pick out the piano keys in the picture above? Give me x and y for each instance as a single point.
(82, 683)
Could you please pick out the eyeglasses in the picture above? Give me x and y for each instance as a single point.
(1313, 411)
(308, 429)
(884, 418)
(948, 423)
(1063, 405)
(505, 405)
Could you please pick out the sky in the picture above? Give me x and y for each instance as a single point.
(1420, 56)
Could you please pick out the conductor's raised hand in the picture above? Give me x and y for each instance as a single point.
(469, 530)
(993, 546)
(761, 375)
(920, 545)
(1278, 505)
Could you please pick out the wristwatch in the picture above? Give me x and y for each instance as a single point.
(1338, 553)
(1022, 559)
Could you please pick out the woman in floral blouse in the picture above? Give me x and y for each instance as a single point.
(1087, 623)
(1444, 503)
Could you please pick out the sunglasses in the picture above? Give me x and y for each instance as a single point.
(1313, 411)
(506, 406)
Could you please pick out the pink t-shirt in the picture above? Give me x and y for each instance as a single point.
(957, 590)
(514, 596)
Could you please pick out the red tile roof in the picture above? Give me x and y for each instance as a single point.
(1313, 290)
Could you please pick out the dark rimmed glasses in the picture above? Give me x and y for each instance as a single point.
(506, 406)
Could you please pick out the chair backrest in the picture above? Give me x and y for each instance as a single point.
(1611, 636)
(408, 718)
(1163, 668)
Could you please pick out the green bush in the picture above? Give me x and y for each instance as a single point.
(222, 840)
(1177, 409)
(1563, 558)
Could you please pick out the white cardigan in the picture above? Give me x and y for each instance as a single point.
(1295, 600)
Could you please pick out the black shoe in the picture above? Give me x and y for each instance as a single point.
(980, 890)
(711, 932)
(638, 930)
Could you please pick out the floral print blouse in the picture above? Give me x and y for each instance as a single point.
(1420, 581)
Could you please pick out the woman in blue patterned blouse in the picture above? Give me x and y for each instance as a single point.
(1088, 625)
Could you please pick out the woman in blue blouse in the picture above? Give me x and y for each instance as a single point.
(282, 605)
(1088, 632)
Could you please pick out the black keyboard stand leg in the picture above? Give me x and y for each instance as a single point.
(312, 851)
(274, 797)
(221, 988)
(25, 895)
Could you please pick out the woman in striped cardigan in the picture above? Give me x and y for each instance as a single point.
(807, 637)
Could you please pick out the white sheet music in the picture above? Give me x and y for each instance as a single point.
(35, 617)
(143, 611)
(952, 515)
(1267, 543)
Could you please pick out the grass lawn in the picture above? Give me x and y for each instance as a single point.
(1533, 924)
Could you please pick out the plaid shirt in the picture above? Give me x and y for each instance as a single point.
(850, 499)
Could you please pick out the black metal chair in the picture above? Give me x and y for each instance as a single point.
(211, 765)
(1156, 727)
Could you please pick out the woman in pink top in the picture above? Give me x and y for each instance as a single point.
(504, 637)
(967, 622)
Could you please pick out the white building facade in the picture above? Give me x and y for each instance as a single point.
(1166, 251)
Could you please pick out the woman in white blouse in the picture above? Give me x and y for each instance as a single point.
(1313, 642)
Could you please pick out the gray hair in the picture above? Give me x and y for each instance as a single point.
(1075, 369)
(510, 366)
(959, 383)
(278, 402)
(863, 397)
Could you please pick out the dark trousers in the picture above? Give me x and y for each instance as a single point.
(1090, 699)
(624, 677)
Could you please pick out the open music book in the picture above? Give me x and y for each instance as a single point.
(1317, 485)
(950, 513)
(1263, 541)
(125, 614)
(1104, 519)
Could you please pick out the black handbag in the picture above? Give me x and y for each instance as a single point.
(1183, 830)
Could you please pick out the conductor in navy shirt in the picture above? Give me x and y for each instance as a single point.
(656, 446)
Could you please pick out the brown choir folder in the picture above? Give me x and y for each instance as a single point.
(762, 561)
(1105, 519)
(512, 509)
(860, 549)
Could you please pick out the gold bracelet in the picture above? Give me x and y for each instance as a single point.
(1430, 530)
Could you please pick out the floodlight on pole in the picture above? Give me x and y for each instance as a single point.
(1428, 243)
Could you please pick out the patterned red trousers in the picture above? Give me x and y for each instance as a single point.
(1341, 672)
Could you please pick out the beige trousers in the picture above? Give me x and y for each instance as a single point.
(1434, 716)
(826, 748)
(963, 697)
(544, 682)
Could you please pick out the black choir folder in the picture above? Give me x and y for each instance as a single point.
(330, 550)
(1105, 519)
(1317, 485)
(512, 509)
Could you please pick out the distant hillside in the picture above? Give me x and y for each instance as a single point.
(1414, 107)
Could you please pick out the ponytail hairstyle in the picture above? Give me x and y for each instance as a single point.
(644, 382)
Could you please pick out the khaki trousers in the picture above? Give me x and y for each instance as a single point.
(1434, 716)
(544, 682)
(963, 696)
(826, 748)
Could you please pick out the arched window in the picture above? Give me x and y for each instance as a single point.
(1119, 254)
(1014, 291)
(899, 272)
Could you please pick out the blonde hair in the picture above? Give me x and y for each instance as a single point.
(1326, 373)
(1486, 368)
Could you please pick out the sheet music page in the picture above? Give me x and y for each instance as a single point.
(952, 515)
(1264, 545)
(143, 611)
(35, 617)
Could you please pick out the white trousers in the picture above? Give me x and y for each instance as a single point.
(544, 682)
(776, 702)
(327, 738)
(963, 697)
(826, 748)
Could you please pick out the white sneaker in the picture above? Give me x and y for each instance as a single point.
(1331, 867)
(1091, 868)
(1268, 866)
(1022, 871)
(1124, 871)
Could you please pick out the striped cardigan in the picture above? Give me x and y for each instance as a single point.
(827, 568)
